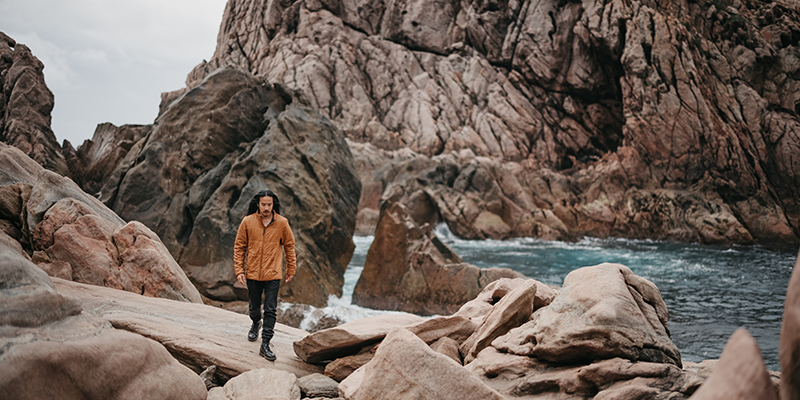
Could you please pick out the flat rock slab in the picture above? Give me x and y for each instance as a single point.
(197, 335)
(347, 339)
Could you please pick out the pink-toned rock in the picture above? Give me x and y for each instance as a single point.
(349, 338)
(197, 335)
(409, 269)
(260, 383)
(789, 347)
(740, 373)
(149, 264)
(522, 376)
(112, 364)
(483, 304)
(505, 372)
(405, 367)
(348, 388)
(453, 327)
(604, 311)
(511, 311)
(704, 369)
(27, 295)
(448, 347)
(49, 188)
(75, 236)
(100, 252)
(342, 367)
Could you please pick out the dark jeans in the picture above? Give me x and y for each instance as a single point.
(270, 291)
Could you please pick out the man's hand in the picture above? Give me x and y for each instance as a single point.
(289, 278)
(240, 278)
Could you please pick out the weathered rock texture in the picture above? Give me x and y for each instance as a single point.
(673, 120)
(96, 159)
(72, 235)
(409, 269)
(110, 364)
(604, 301)
(740, 374)
(349, 338)
(28, 296)
(789, 346)
(54, 347)
(197, 335)
(192, 176)
(607, 348)
(402, 368)
(259, 384)
(71, 340)
(25, 106)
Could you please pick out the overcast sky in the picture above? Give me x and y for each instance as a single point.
(109, 61)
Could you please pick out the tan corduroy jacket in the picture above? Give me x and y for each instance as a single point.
(263, 248)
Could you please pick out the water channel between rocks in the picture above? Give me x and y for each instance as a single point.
(710, 291)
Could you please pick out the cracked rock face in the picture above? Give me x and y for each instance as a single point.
(25, 106)
(193, 175)
(674, 121)
(408, 268)
(71, 235)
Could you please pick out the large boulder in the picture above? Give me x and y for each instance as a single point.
(259, 384)
(111, 364)
(524, 377)
(408, 268)
(601, 312)
(483, 304)
(740, 374)
(72, 235)
(402, 368)
(511, 311)
(789, 346)
(349, 338)
(52, 349)
(492, 335)
(192, 177)
(25, 106)
(28, 296)
(636, 119)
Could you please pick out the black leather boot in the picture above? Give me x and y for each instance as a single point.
(266, 352)
(253, 334)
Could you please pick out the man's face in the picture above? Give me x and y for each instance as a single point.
(265, 206)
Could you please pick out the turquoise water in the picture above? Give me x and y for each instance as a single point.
(710, 291)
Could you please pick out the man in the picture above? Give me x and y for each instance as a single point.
(263, 236)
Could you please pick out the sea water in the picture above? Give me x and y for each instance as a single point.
(710, 291)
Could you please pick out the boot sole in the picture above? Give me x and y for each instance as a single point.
(262, 354)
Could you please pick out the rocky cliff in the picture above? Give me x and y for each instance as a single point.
(192, 174)
(25, 106)
(555, 119)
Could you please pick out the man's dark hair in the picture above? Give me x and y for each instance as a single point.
(253, 207)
